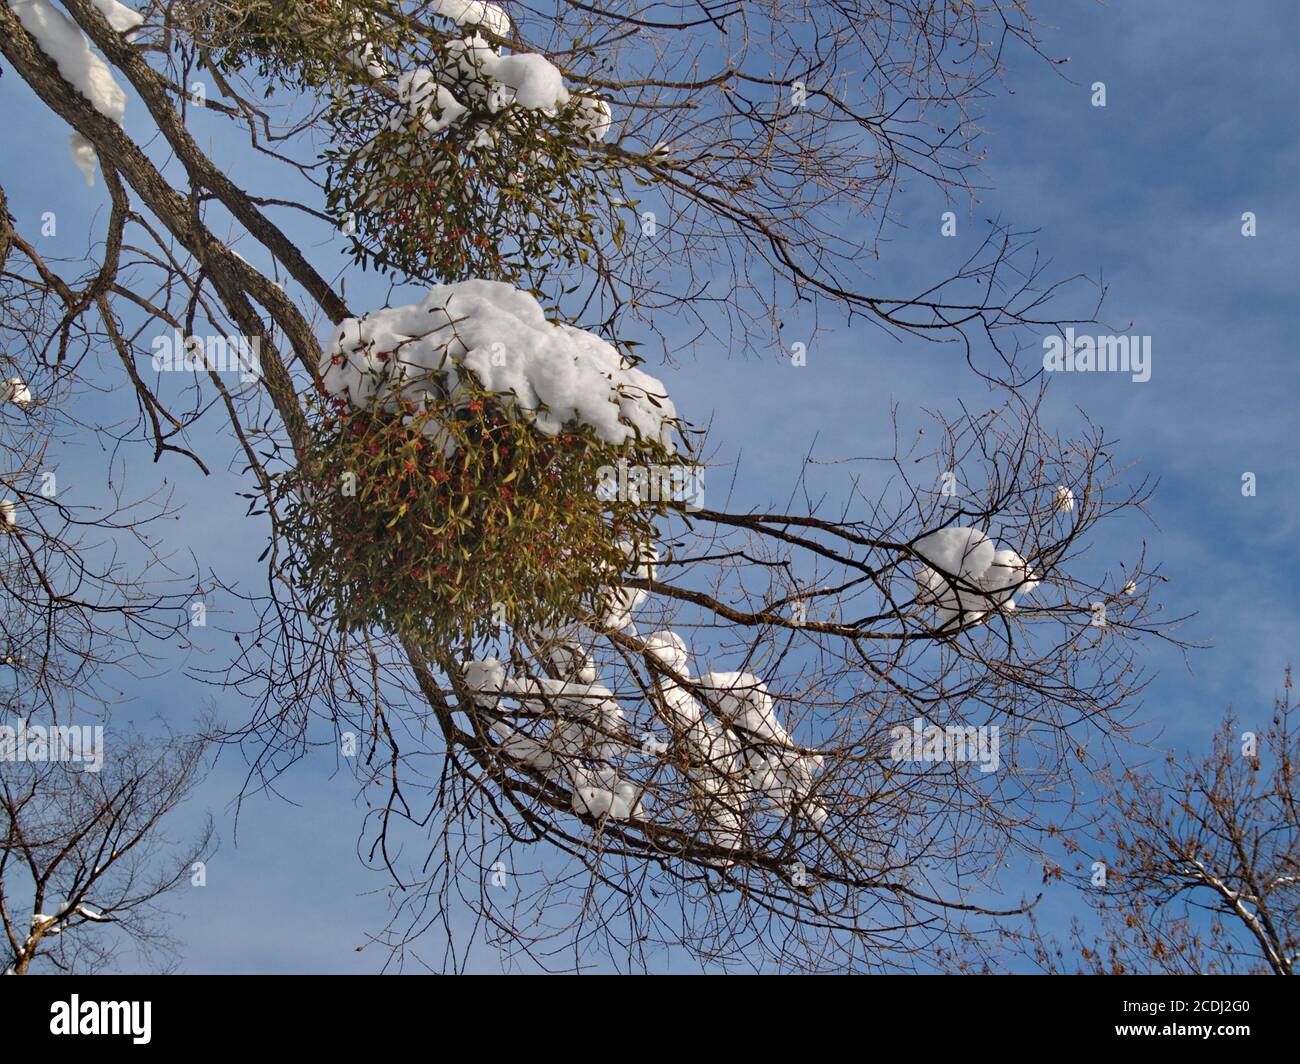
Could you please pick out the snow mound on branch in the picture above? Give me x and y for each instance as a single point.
(470, 73)
(473, 13)
(586, 735)
(62, 40)
(713, 768)
(119, 16)
(488, 676)
(777, 768)
(1009, 575)
(594, 117)
(603, 792)
(363, 56)
(626, 599)
(15, 391)
(967, 576)
(563, 649)
(743, 753)
(960, 551)
(558, 374)
(670, 650)
(424, 98)
(736, 760)
(528, 79)
(744, 701)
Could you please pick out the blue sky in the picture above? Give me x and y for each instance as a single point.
(1201, 125)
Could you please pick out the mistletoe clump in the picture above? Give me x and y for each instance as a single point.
(450, 155)
(461, 476)
(509, 194)
(300, 43)
(443, 523)
(476, 164)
